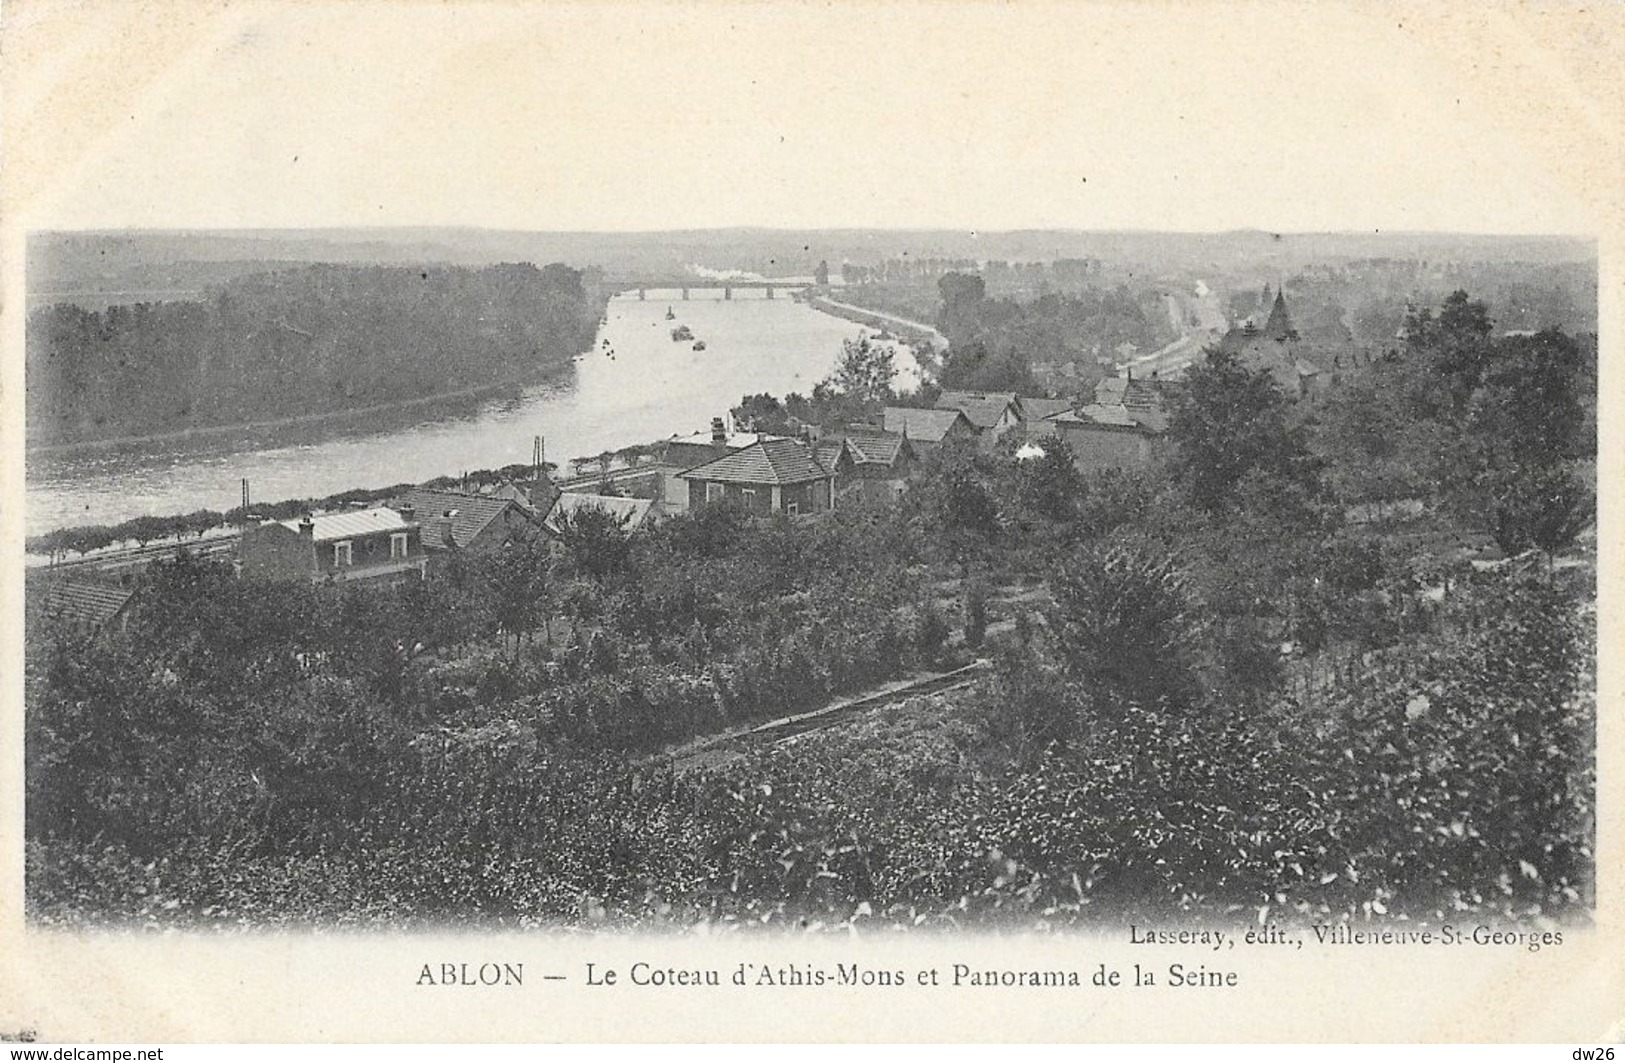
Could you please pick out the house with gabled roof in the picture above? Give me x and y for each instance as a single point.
(86, 603)
(1131, 391)
(767, 477)
(345, 545)
(538, 493)
(1109, 436)
(454, 520)
(873, 464)
(680, 453)
(1036, 409)
(928, 429)
(992, 412)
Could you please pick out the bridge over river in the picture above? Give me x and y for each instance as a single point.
(644, 285)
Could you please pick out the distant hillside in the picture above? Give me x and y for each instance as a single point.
(302, 341)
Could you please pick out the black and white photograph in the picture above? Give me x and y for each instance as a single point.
(758, 502)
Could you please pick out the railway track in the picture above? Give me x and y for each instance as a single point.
(112, 561)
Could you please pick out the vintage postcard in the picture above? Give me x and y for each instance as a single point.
(810, 522)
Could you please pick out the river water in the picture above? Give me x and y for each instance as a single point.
(642, 386)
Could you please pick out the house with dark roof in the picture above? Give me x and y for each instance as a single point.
(1133, 392)
(1104, 436)
(1036, 409)
(877, 465)
(453, 520)
(832, 455)
(537, 493)
(928, 429)
(346, 545)
(992, 412)
(771, 476)
(679, 453)
(86, 604)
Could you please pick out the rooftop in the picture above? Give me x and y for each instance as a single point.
(469, 515)
(349, 523)
(982, 408)
(1129, 391)
(879, 447)
(923, 426)
(1104, 415)
(829, 451)
(80, 600)
(1037, 409)
(733, 440)
(773, 461)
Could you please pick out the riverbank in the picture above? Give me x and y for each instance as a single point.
(637, 387)
(440, 404)
(912, 332)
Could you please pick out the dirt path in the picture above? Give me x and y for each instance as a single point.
(717, 750)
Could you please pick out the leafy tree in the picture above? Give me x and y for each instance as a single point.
(596, 543)
(519, 579)
(1455, 345)
(454, 604)
(864, 374)
(961, 293)
(973, 366)
(762, 413)
(965, 511)
(1126, 627)
(1528, 407)
(1507, 466)
(1230, 423)
(1525, 506)
(1048, 486)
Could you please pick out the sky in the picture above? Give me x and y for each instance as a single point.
(637, 116)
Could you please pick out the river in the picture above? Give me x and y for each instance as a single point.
(639, 387)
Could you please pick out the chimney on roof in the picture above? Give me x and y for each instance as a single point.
(719, 431)
(1129, 371)
(407, 512)
(307, 526)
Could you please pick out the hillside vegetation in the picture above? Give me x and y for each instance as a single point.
(1215, 696)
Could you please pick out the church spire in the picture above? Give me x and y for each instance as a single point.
(1279, 325)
